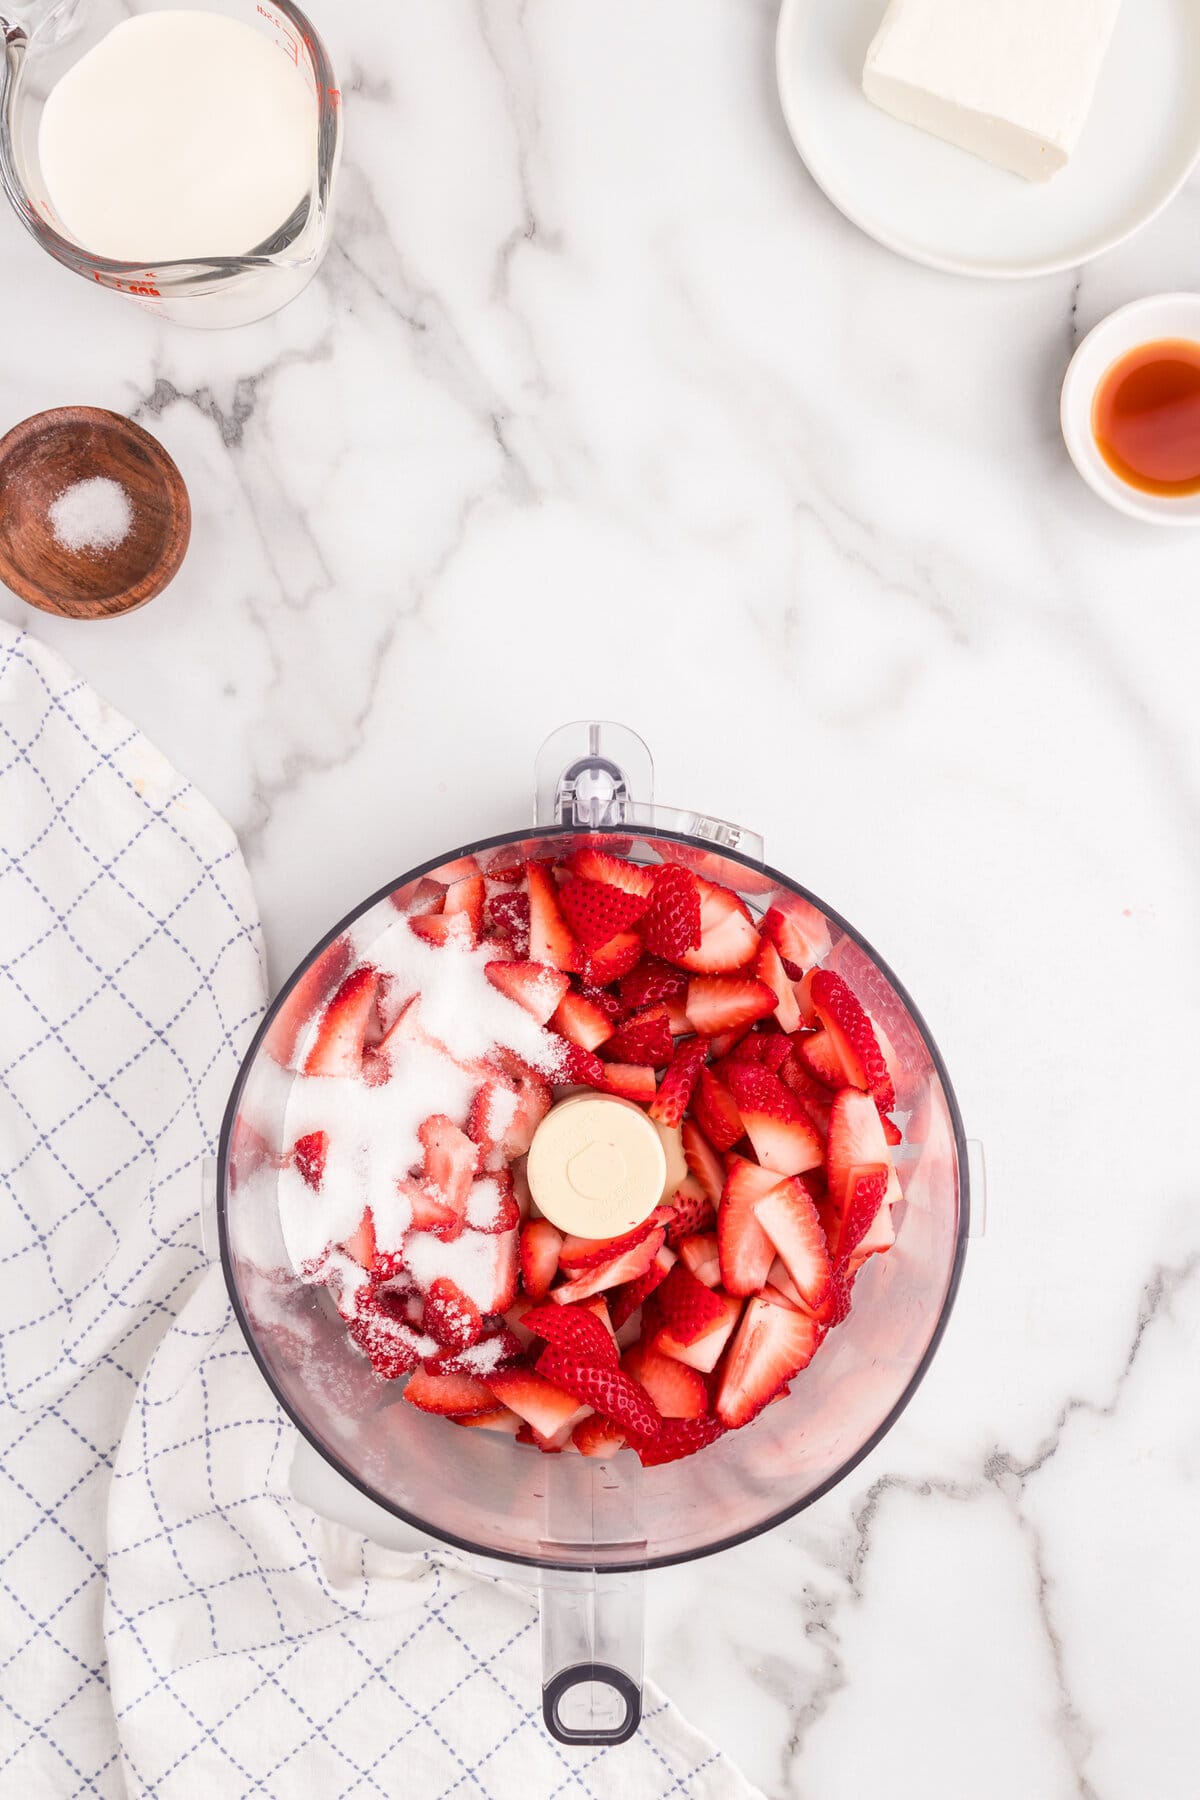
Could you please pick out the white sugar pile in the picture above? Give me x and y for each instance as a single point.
(92, 515)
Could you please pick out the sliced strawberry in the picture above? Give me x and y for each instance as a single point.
(464, 900)
(853, 1038)
(497, 1350)
(644, 1039)
(491, 1208)
(717, 1112)
(799, 932)
(309, 1153)
(621, 1269)
(431, 1211)
(534, 985)
(451, 1160)
(773, 1344)
(573, 1328)
(672, 922)
(688, 1309)
(702, 1256)
(614, 871)
(728, 939)
(492, 1112)
(508, 918)
(595, 1436)
(582, 1021)
(540, 1244)
(337, 1048)
(541, 1403)
(588, 1253)
(866, 1192)
(833, 1308)
(769, 967)
(856, 1141)
(595, 912)
(812, 1094)
(612, 960)
(705, 1353)
(816, 1054)
(694, 1211)
(789, 1218)
(533, 1103)
(608, 1391)
(652, 981)
(360, 1245)
(550, 939)
(503, 869)
(499, 1419)
(463, 868)
(624, 1301)
(581, 1068)
(675, 1089)
(452, 1318)
(677, 1438)
(891, 1131)
(442, 929)
(746, 1251)
(704, 1165)
(310, 990)
(718, 1003)
(610, 1004)
(457, 1395)
(776, 1124)
(629, 1081)
(676, 1390)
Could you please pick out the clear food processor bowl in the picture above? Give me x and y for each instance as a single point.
(588, 1525)
(41, 42)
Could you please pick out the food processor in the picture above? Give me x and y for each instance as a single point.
(590, 1528)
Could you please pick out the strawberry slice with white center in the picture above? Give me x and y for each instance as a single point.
(655, 980)
(704, 1165)
(451, 1317)
(500, 1419)
(625, 1300)
(720, 1003)
(463, 868)
(745, 1249)
(812, 1094)
(671, 926)
(613, 871)
(588, 1253)
(443, 929)
(626, 1267)
(573, 1328)
(677, 1438)
(675, 1089)
(311, 989)
(508, 920)
(464, 900)
(816, 1054)
(693, 1210)
(678, 1391)
(852, 1036)
(866, 1194)
(582, 1021)
(717, 1112)
(728, 939)
(610, 1392)
(611, 960)
(596, 912)
(536, 986)
(769, 967)
(308, 1154)
(337, 1048)
(689, 1310)
(628, 1081)
(541, 1403)
(799, 932)
(705, 1353)
(540, 1244)
(456, 1396)
(789, 1218)
(857, 1141)
(595, 1436)
(645, 1038)
(451, 1160)
(776, 1124)
(702, 1256)
(550, 939)
(773, 1344)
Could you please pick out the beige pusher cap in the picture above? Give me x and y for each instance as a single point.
(597, 1166)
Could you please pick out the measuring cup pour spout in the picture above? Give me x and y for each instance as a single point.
(42, 39)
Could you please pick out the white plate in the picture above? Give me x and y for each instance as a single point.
(942, 206)
(1142, 322)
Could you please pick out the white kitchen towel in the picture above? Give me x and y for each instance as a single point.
(172, 1622)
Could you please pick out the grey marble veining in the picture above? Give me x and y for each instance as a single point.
(597, 407)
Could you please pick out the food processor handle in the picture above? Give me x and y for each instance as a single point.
(597, 775)
(592, 1625)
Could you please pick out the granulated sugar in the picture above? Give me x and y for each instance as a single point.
(92, 515)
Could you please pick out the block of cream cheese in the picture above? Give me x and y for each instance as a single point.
(1010, 80)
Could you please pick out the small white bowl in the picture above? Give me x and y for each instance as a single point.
(1142, 322)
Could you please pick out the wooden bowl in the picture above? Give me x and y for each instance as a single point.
(48, 453)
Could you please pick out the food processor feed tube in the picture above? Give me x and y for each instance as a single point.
(182, 156)
(588, 1525)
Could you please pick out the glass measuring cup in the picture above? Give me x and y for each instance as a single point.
(43, 42)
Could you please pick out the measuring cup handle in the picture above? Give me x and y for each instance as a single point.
(592, 1626)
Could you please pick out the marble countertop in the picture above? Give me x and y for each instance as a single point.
(599, 408)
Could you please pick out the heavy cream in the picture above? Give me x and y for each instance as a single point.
(180, 134)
